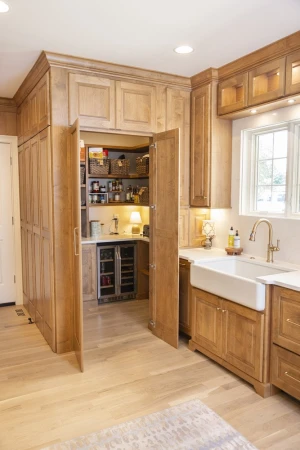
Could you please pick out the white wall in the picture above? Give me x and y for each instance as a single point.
(287, 230)
(105, 214)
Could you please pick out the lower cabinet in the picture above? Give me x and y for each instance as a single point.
(89, 273)
(185, 297)
(230, 333)
(285, 353)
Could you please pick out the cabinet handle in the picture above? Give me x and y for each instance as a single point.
(219, 309)
(224, 310)
(183, 265)
(294, 323)
(290, 376)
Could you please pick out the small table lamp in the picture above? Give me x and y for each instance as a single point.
(208, 228)
(135, 218)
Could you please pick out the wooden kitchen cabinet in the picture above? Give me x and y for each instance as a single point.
(185, 297)
(184, 227)
(142, 270)
(286, 319)
(233, 94)
(266, 82)
(242, 331)
(43, 106)
(228, 332)
(89, 272)
(292, 74)
(92, 100)
(210, 151)
(135, 107)
(178, 116)
(285, 353)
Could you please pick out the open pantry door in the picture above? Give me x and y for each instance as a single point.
(77, 254)
(164, 222)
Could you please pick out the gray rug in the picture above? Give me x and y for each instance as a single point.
(190, 426)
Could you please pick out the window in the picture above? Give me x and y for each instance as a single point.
(271, 171)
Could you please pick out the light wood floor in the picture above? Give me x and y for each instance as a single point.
(129, 373)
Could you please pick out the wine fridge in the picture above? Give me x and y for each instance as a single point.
(116, 268)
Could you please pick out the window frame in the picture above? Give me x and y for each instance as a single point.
(248, 178)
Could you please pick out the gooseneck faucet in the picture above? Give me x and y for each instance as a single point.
(271, 247)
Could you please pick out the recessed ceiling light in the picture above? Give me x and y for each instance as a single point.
(3, 7)
(253, 111)
(291, 100)
(183, 49)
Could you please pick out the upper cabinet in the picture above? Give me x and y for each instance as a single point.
(178, 116)
(92, 100)
(135, 107)
(33, 114)
(233, 94)
(210, 151)
(266, 82)
(292, 77)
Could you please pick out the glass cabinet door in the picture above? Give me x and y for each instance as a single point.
(128, 269)
(107, 272)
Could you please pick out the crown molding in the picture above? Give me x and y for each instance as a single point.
(33, 77)
(8, 105)
(277, 49)
(77, 64)
(204, 77)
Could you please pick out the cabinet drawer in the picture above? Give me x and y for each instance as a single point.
(286, 319)
(285, 371)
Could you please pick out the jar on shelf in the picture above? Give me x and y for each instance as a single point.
(117, 197)
(113, 186)
(110, 186)
(102, 189)
(120, 185)
(95, 186)
(128, 193)
(95, 198)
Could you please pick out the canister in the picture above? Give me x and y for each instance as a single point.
(95, 228)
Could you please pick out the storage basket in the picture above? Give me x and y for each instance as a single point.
(99, 166)
(119, 166)
(144, 195)
(82, 173)
(142, 165)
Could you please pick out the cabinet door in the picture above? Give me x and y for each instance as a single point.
(207, 321)
(89, 272)
(185, 298)
(200, 146)
(266, 82)
(24, 266)
(135, 107)
(77, 251)
(35, 180)
(178, 116)
(292, 77)
(286, 319)
(43, 94)
(26, 120)
(31, 273)
(184, 227)
(243, 338)
(164, 276)
(33, 113)
(20, 125)
(28, 183)
(233, 94)
(92, 100)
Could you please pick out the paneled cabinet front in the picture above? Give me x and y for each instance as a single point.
(92, 100)
(135, 107)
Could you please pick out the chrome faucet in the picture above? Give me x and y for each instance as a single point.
(271, 247)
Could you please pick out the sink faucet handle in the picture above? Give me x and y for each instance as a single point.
(278, 244)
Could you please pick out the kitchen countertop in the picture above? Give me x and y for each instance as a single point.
(113, 238)
(289, 280)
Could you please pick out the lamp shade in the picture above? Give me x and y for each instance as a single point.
(135, 217)
(208, 228)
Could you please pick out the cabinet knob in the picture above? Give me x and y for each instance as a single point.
(224, 310)
(219, 309)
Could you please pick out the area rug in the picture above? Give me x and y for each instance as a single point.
(190, 426)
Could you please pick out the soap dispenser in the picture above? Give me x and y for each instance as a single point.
(231, 237)
(237, 240)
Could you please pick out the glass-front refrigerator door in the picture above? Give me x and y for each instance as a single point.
(127, 253)
(107, 272)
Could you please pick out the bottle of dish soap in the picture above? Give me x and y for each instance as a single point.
(231, 237)
(237, 241)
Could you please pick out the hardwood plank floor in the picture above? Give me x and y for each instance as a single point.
(44, 399)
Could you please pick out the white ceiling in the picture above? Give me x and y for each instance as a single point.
(139, 33)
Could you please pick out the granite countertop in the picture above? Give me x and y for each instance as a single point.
(289, 280)
(113, 238)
